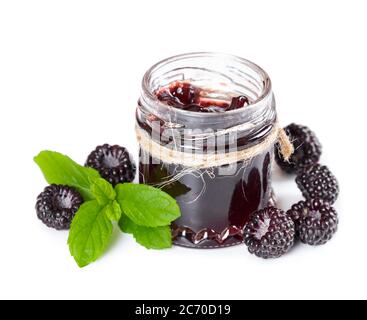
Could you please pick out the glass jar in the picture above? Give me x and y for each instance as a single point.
(195, 164)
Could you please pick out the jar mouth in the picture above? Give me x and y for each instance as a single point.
(255, 76)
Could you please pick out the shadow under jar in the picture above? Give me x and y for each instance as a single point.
(213, 158)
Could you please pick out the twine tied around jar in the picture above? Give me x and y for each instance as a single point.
(205, 160)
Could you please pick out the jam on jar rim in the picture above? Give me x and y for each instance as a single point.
(186, 96)
(257, 115)
(149, 93)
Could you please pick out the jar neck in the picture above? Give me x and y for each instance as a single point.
(218, 73)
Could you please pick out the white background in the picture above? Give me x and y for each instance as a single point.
(70, 75)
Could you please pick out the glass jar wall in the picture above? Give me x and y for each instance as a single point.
(195, 164)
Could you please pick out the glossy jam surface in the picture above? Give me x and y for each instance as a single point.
(185, 96)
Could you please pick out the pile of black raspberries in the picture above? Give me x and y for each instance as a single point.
(57, 205)
(271, 232)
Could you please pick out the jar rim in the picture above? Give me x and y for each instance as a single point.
(149, 94)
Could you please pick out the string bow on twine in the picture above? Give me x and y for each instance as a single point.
(215, 159)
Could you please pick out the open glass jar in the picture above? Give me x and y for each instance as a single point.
(216, 164)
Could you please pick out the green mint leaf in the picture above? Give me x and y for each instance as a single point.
(103, 191)
(147, 206)
(151, 238)
(60, 169)
(113, 211)
(90, 233)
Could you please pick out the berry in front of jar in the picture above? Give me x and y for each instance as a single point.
(307, 149)
(317, 181)
(114, 163)
(56, 206)
(269, 233)
(316, 221)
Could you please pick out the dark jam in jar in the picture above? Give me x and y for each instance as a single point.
(185, 96)
(183, 93)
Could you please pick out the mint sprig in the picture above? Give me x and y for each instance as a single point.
(147, 206)
(151, 238)
(60, 169)
(141, 210)
(90, 233)
(113, 211)
(103, 191)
